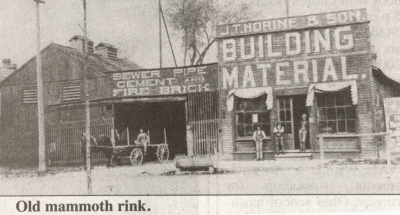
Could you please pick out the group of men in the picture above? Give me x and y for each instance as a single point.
(259, 136)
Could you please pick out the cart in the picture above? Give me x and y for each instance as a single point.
(136, 152)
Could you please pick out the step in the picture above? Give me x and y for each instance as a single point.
(294, 156)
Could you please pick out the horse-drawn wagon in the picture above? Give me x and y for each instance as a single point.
(134, 152)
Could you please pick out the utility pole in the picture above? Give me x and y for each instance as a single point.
(287, 8)
(40, 97)
(159, 31)
(87, 106)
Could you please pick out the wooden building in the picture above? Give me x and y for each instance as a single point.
(62, 75)
(321, 65)
(183, 101)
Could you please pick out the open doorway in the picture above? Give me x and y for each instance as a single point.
(153, 117)
(299, 108)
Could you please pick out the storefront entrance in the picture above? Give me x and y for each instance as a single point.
(154, 117)
(290, 110)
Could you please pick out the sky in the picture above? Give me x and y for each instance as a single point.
(132, 26)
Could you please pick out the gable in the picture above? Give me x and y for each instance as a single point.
(59, 63)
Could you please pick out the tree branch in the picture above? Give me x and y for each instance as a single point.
(204, 52)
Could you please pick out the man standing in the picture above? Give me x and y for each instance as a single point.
(258, 137)
(303, 132)
(278, 131)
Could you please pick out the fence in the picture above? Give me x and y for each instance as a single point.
(202, 115)
(64, 140)
(205, 136)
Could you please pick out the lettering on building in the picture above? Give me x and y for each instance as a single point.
(165, 81)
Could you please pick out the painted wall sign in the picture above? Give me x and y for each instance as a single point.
(165, 81)
(324, 53)
(291, 23)
(289, 72)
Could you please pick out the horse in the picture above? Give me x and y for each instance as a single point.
(106, 147)
(105, 144)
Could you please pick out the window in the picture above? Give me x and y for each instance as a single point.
(336, 113)
(29, 95)
(285, 114)
(251, 113)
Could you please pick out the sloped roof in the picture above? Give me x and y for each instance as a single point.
(378, 74)
(95, 62)
(79, 37)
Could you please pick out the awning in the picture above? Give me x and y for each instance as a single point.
(250, 94)
(332, 87)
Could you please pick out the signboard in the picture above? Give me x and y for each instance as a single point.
(392, 118)
(169, 81)
(336, 48)
(292, 23)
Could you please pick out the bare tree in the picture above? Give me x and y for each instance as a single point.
(196, 21)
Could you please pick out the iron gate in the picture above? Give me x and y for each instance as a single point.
(64, 141)
(202, 115)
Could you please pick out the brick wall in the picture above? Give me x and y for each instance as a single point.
(357, 61)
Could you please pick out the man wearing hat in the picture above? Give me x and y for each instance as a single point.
(303, 132)
(258, 137)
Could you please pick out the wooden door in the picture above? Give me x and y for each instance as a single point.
(285, 116)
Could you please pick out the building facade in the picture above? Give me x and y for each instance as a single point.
(319, 65)
(62, 78)
(178, 105)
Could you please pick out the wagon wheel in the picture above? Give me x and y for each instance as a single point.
(136, 156)
(162, 153)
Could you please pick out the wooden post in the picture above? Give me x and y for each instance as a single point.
(87, 106)
(165, 136)
(127, 136)
(287, 8)
(388, 152)
(189, 139)
(40, 97)
(159, 31)
(321, 147)
(112, 137)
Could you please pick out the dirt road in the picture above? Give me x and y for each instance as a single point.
(155, 179)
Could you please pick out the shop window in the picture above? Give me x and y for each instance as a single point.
(285, 114)
(336, 113)
(251, 113)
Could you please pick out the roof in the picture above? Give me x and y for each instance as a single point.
(378, 74)
(95, 62)
(79, 37)
(103, 44)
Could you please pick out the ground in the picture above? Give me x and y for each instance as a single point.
(233, 177)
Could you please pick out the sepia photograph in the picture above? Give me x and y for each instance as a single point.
(214, 104)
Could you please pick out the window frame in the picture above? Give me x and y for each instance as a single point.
(327, 112)
(288, 106)
(265, 111)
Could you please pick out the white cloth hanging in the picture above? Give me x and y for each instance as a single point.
(332, 87)
(250, 93)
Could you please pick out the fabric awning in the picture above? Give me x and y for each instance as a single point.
(332, 87)
(250, 94)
